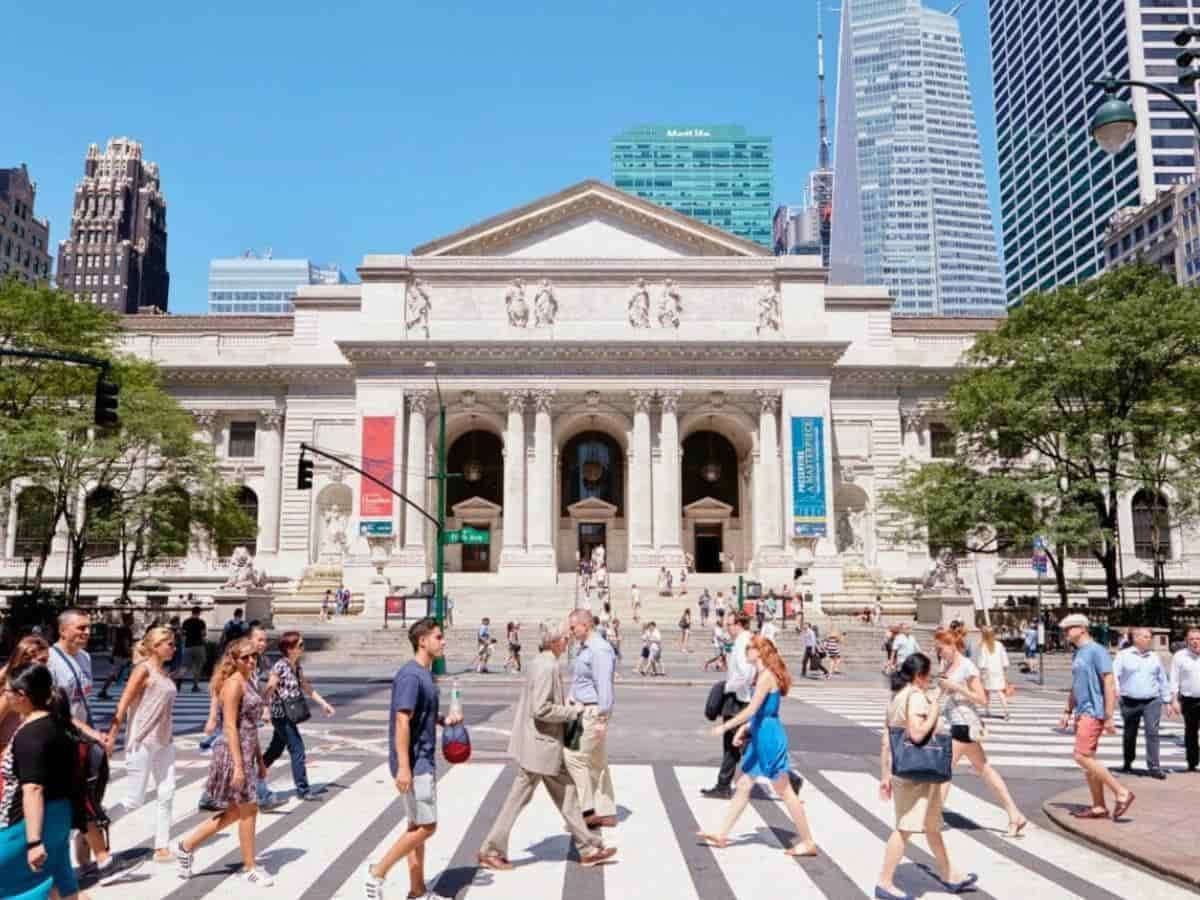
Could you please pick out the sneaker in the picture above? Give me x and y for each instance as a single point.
(185, 859)
(257, 877)
(372, 885)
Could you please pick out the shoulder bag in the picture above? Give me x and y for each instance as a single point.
(295, 709)
(924, 763)
(715, 702)
(572, 732)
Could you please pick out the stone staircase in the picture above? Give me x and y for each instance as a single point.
(302, 603)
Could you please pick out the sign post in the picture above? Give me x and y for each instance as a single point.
(1039, 565)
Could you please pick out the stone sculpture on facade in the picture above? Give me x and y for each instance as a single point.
(335, 534)
(639, 305)
(244, 574)
(943, 574)
(419, 306)
(850, 530)
(545, 305)
(516, 306)
(670, 306)
(770, 311)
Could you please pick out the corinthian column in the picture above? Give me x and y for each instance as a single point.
(415, 480)
(541, 483)
(768, 521)
(272, 457)
(514, 479)
(638, 502)
(667, 497)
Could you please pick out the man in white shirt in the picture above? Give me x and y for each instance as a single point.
(1143, 689)
(1185, 695)
(904, 646)
(739, 686)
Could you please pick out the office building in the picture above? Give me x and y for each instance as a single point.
(24, 238)
(718, 174)
(908, 156)
(1164, 232)
(1058, 190)
(251, 284)
(116, 253)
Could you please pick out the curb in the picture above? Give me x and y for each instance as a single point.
(1115, 846)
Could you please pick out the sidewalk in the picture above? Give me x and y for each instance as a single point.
(1158, 832)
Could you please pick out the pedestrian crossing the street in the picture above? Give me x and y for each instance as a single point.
(191, 709)
(1030, 738)
(317, 851)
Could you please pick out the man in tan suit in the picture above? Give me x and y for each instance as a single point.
(537, 746)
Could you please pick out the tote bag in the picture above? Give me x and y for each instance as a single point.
(924, 763)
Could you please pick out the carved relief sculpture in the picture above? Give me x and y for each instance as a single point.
(419, 305)
(545, 305)
(770, 311)
(515, 305)
(670, 306)
(639, 305)
(335, 534)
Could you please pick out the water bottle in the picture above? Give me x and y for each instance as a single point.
(455, 698)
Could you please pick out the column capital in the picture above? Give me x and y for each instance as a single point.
(670, 400)
(768, 401)
(543, 399)
(641, 400)
(516, 400)
(416, 401)
(272, 418)
(205, 418)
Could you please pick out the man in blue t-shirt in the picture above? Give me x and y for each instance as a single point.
(412, 733)
(1092, 700)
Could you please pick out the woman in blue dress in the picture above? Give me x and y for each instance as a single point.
(766, 748)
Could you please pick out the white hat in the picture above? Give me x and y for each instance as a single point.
(1074, 620)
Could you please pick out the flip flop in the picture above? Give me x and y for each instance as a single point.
(1090, 813)
(494, 861)
(1015, 829)
(712, 840)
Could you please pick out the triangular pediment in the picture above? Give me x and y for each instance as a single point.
(591, 220)
(476, 508)
(592, 508)
(708, 508)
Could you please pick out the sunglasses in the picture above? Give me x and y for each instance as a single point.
(246, 656)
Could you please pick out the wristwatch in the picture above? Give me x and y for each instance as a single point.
(29, 845)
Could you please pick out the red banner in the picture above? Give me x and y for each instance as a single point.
(379, 459)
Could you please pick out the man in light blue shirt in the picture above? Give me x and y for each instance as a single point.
(592, 687)
(1144, 687)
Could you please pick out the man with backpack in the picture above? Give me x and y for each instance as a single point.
(235, 628)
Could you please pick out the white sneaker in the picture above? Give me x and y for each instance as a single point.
(372, 885)
(184, 859)
(257, 877)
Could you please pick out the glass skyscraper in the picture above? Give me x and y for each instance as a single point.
(908, 171)
(715, 173)
(252, 285)
(1058, 189)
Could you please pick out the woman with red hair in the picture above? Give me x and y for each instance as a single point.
(766, 747)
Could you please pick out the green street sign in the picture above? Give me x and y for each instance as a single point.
(467, 535)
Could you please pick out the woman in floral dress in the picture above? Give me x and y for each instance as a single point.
(236, 766)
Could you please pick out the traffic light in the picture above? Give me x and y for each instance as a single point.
(106, 404)
(304, 474)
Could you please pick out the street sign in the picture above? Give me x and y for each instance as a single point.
(1039, 560)
(375, 528)
(467, 535)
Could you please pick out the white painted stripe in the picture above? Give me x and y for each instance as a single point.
(648, 862)
(1113, 874)
(999, 875)
(538, 848)
(460, 791)
(754, 863)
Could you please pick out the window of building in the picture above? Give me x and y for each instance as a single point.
(942, 441)
(241, 440)
(1151, 525)
(247, 502)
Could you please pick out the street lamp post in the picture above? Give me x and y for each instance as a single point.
(25, 580)
(439, 599)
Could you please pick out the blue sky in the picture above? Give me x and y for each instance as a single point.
(333, 130)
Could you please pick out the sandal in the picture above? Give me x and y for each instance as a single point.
(1122, 806)
(1090, 813)
(1015, 828)
(494, 861)
(712, 840)
(794, 851)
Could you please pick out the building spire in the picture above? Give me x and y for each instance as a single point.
(823, 151)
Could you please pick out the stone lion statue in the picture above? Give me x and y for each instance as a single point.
(244, 574)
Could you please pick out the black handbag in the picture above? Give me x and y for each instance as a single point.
(295, 710)
(572, 732)
(925, 763)
(715, 702)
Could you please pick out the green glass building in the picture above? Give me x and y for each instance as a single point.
(718, 174)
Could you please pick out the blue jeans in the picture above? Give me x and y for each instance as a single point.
(17, 879)
(287, 735)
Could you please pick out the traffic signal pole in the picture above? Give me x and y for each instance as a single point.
(439, 600)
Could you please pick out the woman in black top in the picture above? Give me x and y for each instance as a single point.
(39, 770)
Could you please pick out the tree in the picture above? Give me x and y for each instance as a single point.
(1082, 395)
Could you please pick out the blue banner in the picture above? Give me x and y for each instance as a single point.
(808, 476)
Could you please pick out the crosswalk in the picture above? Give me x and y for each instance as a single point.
(1030, 738)
(317, 851)
(191, 709)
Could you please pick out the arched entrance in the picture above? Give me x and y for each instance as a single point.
(477, 498)
(709, 482)
(592, 493)
(247, 502)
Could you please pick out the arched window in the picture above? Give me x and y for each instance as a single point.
(247, 502)
(103, 523)
(1151, 525)
(35, 510)
(710, 469)
(172, 530)
(593, 465)
(479, 458)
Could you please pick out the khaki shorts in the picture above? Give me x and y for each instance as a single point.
(420, 803)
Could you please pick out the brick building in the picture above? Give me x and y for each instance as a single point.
(24, 238)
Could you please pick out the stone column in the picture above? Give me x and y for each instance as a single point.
(541, 484)
(638, 503)
(514, 479)
(272, 459)
(667, 499)
(769, 505)
(415, 480)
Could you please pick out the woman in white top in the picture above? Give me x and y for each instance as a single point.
(992, 659)
(148, 702)
(963, 692)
